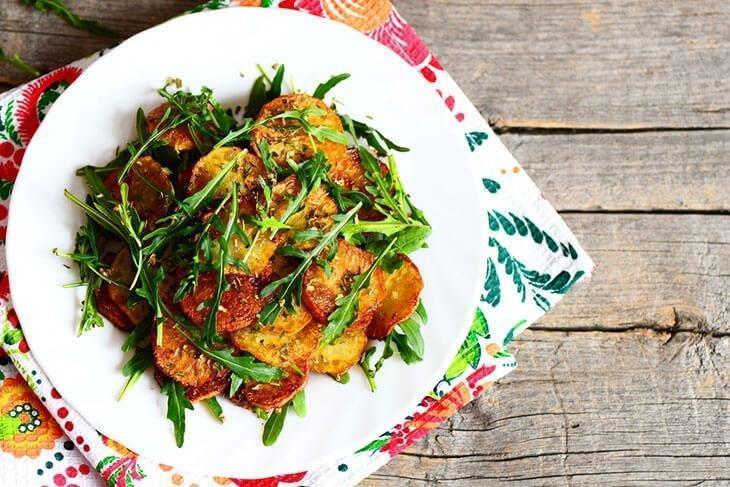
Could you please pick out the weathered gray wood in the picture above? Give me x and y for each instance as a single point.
(590, 408)
(47, 42)
(662, 271)
(600, 64)
(685, 171)
(549, 64)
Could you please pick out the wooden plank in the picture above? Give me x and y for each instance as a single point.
(685, 171)
(588, 408)
(549, 64)
(601, 64)
(668, 272)
(47, 42)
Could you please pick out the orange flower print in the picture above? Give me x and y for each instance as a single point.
(363, 15)
(117, 447)
(247, 3)
(26, 427)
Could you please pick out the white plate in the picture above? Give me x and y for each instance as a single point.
(220, 49)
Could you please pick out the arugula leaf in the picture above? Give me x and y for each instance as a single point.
(275, 89)
(60, 8)
(325, 87)
(371, 370)
(17, 61)
(244, 366)
(137, 336)
(374, 138)
(209, 328)
(215, 409)
(135, 367)
(236, 383)
(274, 425)
(299, 404)
(410, 343)
(257, 99)
(177, 403)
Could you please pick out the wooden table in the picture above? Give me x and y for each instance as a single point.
(620, 111)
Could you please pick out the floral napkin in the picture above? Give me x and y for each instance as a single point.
(533, 260)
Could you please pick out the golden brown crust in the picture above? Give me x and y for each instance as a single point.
(292, 352)
(245, 173)
(278, 348)
(110, 310)
(150, 189)
(286, 138)
(273, 395)
(320, 292)
(178, 138)
(180, 360)
(336, 358)
(122, 271)
(347, 171)
(402, 289)
(239, 307)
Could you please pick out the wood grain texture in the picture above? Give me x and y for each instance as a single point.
(607, 64)
(630, 408)
(619, 111)
(666, 272)
(47, 42)
(646, 171)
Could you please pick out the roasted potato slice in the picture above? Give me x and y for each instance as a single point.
(335, 359)
(273, 395)
(291, 321)
(110, 310)
(246, 172)
(150, 189)
(347, 171)
(277, 348)
(262, 250)
(402, 288)
(319, 291)
(178, 359)
(122, 271)
(287, 139)
(292, 352)
(239, 307)
(316, 212)
(178, 138)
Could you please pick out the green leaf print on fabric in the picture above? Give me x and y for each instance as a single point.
(470, 352)
(7, 125)
(376, 445)
(491, 285)
(209, 5)
(49, 97)
(514, 331)
(12, 336)
(475, 139)
(6, 187)
(526, 279)
(8, 427)
(523, 226)
(491, 185)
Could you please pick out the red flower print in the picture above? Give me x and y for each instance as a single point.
(5, 290)
(27, 111)
(270, 481)
(403, 436)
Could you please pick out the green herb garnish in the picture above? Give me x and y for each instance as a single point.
(60, 8)
(177, 403)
